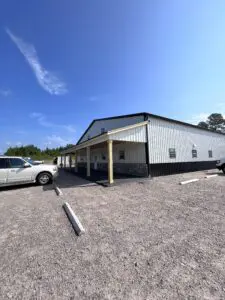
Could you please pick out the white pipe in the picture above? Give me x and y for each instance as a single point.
(189, 181)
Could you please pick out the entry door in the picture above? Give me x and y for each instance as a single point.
(96, 163)
(17, 172)
(3, 170)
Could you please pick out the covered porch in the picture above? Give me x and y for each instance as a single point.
(120, 152)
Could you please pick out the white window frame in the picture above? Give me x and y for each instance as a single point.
(194, 151)
(210, 153)
(172, 153)
(124, 154)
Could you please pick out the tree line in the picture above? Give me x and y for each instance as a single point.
(35, 152)
(214, 122)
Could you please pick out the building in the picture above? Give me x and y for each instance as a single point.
(144, 144)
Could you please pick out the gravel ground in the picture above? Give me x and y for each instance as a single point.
(144, 240)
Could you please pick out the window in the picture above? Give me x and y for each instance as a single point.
(121, 154)
(210, 153)
(3, 163)
(16, 163)
(88, 137)
(102, 130)
(103, 156)
(194, 153)
(172, 152)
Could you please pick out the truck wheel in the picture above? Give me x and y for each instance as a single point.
(44, 178)
(223, 169)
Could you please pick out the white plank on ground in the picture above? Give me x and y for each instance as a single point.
(73, 219)
(209, 176)
(189, 181)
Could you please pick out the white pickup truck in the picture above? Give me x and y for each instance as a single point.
(16, 170)
(220, 164)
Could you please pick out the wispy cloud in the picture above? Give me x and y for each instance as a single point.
(12, 144)
(42, 120)
(196, 118)
(5, 92)
(55, 140)
(47, 80)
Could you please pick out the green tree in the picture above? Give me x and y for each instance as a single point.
(214, 122)
(35, 152)
(203, 124)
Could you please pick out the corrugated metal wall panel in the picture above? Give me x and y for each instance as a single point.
(111, 124)
(134, 153)
(132, 135)
(164, 135)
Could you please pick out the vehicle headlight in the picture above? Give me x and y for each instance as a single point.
(218, 161)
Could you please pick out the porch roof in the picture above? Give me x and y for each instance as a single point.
(132, 133)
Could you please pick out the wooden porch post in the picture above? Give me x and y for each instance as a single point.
(88, 162)
(76, 167)
(110, 161)
(70, 160)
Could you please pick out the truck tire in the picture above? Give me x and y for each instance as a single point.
(223, 169)
(44, 178)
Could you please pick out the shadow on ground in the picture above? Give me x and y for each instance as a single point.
(48, 187)
(17, 187)
(68, 179)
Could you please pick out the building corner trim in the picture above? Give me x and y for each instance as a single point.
(147, 147)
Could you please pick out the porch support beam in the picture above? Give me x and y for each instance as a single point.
(88, 162)
(110, 161)
(76, 167)
(70, 160)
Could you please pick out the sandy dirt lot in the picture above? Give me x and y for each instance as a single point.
(149, 239)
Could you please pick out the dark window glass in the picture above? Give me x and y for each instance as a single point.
(3, 163)
(16, 163)
(102, 130)
(103, 156)
(122, 154)
(194, 153)
(172, 152)
(210, 154)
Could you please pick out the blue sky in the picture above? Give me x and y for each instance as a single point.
(64, 63)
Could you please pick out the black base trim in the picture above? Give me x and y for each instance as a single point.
(180, 167)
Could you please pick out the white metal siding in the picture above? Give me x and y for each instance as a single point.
(164, 135)
(137, 134)
(110, 124)
(134, 153)
(63, 161)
